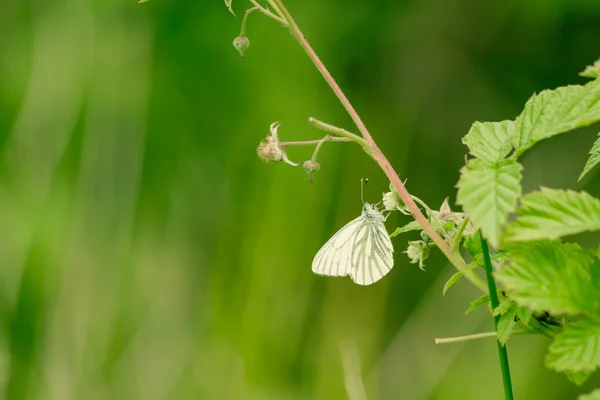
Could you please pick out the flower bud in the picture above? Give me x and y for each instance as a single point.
(241, 43)
(393, 202)
(311, 167)
(445, 209)
(418, 251)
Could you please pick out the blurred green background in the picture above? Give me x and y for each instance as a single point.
(146, 252)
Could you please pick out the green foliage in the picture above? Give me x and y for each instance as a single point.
(478, 302)
(490, 141)
(228, 4)
(489, 186)
(506, 322)
(579, 377)
(577, 348)
(593, 160)
(553, 276)
(510, 316)
(472, 244)
(592, 71)
(556, 111)
(550, 214)
(539, 273)
(488, 193)
(453, 279)
(411, 226)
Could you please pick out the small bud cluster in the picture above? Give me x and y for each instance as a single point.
(446, 222)
(450, 221)
(393, 202)
(272, 150)
(418, 251)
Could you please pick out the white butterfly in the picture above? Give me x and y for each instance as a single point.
(361, 249)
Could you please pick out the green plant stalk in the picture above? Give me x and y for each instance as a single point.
(313, 142)
(246, 14)
(268, 13)
(459, 233)
(484, 335)
(334, 130)
(453, 256)
(433, 217)
(502, 353)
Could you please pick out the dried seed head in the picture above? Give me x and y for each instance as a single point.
(269, 150)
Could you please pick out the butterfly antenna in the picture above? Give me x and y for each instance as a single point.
(363, 182)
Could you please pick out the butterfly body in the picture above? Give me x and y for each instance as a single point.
(361, 249)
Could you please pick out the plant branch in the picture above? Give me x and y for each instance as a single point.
(312, 142)
(459, 233)
(334, 130)
(246, 14)
(433, 217)
(476, 336)
(502, 354)
(276, 7)
(318, 147)
(268, 13)
(454, 257)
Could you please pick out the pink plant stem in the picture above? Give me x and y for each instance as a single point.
(379, 157)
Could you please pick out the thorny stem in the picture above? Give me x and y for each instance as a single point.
(454, 257)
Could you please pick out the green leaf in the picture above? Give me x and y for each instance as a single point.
(592, 71)
(411, 226)
(488, 193)
(556, 111)
(595, 395)
(576, 348)
(504, 306)
(550, 214)
(554, 277)
(228, 4)
(478, 302)
(593, 160)
(490, 141)
(506, 322)
(510, 315)
(453, 279)
(578, 377)
(472, 244)
(524, 315)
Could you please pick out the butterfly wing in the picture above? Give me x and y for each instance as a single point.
(334, 258)
(372, 253)
(361, 249)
